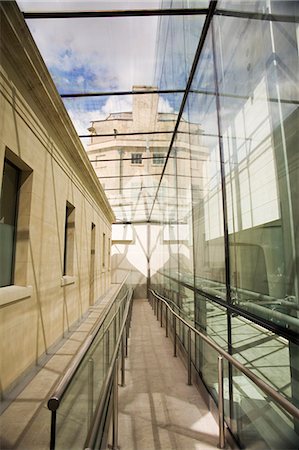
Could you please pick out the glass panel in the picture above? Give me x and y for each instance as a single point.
(260, 6)
(187, 304)
(117, 114)
(177, 40)
(273, 359)
(259, 421)
(77, 406)
(104, 56)
(131, 186)
(181, 153)
(211, 319)
(117, 53)
(259, 115)
(206, 178)
(8, 213)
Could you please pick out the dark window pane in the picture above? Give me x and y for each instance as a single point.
(8, 214)
(136, 158)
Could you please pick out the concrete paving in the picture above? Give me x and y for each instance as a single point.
(158, 410)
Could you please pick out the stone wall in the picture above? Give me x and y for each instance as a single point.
(36, 135)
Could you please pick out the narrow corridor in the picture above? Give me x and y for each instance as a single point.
(158, 410)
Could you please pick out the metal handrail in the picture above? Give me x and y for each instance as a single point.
(175, 305)
(282, 401)
(110, 382)
(61, 387)
(64, 382)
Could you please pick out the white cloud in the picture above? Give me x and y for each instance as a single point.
(164, 106)
(117, 52)
(117, 104)
(82, 119)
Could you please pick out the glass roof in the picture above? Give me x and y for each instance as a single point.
(101, 65)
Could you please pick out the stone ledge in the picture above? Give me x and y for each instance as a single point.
(66, 280)
(10, 294)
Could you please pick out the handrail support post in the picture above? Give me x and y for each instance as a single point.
(221, 403)
(115, 408)
(126, 341)
(166, 321)
(189, 358)
(53, 430)
(107, 347)
(90, 390)
(123, 360)
(174, 336)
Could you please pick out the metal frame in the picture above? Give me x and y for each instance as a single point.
(159, 12)
(116, 13)
(108, 94)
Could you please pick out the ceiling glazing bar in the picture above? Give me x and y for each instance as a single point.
(149, 175)
(161, 155)
(115, 13)
(138, 188)
(124, 159)
(257, 15)
(168, 91)
(133, 133)
(211, 11)
(244, 97)
(107, 94)
(127, 176)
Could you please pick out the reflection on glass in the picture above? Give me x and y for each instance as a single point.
(272, 359)
(206, 179)
(259, 116)
(77, 406)
(177, 41)
(260, 421)
(246, 84)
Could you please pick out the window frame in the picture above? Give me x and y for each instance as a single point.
(69, 240)
(137, 158)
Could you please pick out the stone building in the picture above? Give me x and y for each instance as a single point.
(54, 214)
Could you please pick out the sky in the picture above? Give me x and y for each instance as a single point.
(96, 55)
(112, 54)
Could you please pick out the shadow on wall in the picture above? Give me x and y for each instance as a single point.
(120, 267)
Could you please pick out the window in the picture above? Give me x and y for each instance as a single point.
(92, 264)
(104, 250)
(158, 158)
(109, 254)
(8, 222)
(136, 158)
(69, 239)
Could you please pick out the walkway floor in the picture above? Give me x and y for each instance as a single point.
(158, 410)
